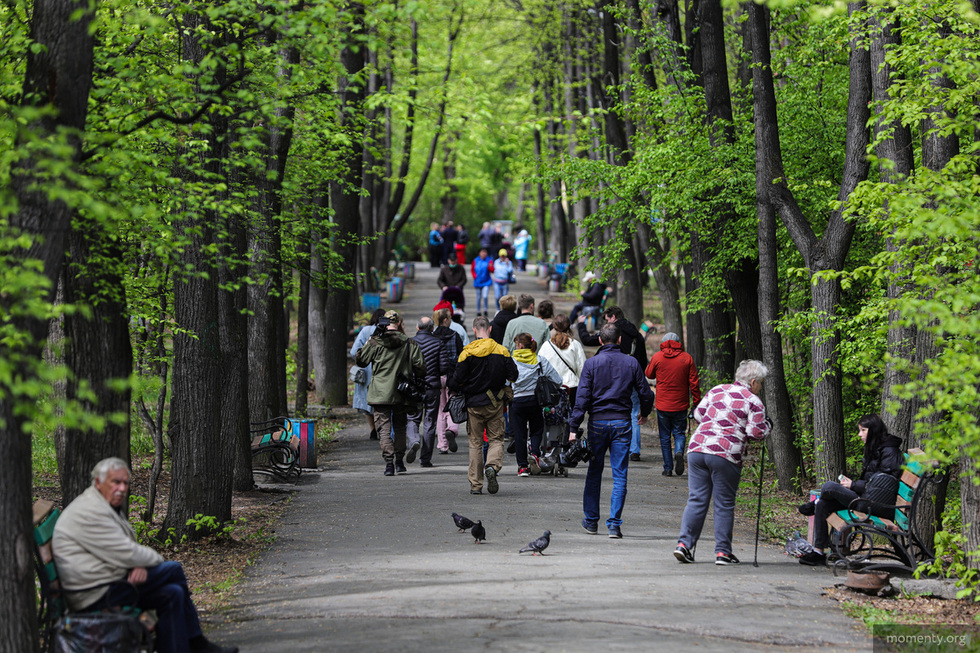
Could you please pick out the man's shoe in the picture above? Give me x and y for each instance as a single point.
(523, 471)
(533, 465)
(667, 472)
(491, 475)
(374, 434)
(390, 469)
(412, 452)
(615, 533)
(400, 467)
(683, 554)
(451, 439)
(635, 457)
(476, 491)
(813, 559)
(425, 464)
(591, 528)
(807, 509)
(201, 644)
(679, 465)
(511, 447)
(726, 559)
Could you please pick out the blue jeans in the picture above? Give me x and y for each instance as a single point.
(709, 475)
(672, 424)
(634, 415)
(499, 290)
(482, 294)
(165, 590)
(612, 435)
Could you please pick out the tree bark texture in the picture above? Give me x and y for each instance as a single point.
(896, 148)
(58, 75)
(97, 351)
(202, 468)
(828, 253)
(345, 201)
(787, 458)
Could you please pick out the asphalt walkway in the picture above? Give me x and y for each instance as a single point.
(365, 562)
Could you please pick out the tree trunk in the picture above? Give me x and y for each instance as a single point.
(658, 258)
(98, 353)
(303, 332)
(787, 458)
(895, 147)
(828, 253)
(58, 76)
(318, 305)
(202, 468)
(695, 326)
(344, 198)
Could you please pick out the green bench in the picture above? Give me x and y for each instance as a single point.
(275, 450)
(866, 542)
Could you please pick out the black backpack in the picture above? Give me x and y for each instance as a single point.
(463, 237)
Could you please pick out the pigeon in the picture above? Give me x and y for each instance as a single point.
(462, 523)
(538, 545)
(479, 533)
(797, 546)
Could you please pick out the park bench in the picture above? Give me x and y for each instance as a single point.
(275, 450)
(592, 313)
(53, 616)
(866, 542)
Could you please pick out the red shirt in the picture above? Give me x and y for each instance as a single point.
(677, 378)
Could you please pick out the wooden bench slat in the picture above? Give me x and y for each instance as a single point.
(41, 509)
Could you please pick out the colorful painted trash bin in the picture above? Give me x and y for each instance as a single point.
(305, 430)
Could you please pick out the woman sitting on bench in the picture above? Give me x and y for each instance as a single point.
(882, 453)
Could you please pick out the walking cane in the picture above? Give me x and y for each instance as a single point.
(758, 514)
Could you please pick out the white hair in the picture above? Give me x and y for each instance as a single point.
(103, 467)
(751, 370)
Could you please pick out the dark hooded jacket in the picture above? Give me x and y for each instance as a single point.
(631, 341)
(498, 326)
(678, 387)
(452, 275)
(436, 355)
(390, 353)
(886, 457)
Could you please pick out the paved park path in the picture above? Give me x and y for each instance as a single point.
(365, 562)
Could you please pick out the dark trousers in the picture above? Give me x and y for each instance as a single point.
(528, 425)
(833, 497)
(165, 591)
(424, 422)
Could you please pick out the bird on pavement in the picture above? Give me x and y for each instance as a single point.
(538, 545)
(479, 533)
(462, 523)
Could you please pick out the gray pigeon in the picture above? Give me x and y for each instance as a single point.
(538, 545)
(462, 523)
(797, 546)
(479, 533)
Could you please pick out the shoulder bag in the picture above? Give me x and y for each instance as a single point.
(546, 391)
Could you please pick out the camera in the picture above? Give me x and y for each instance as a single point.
(384, 323)
(575, 452)
(413, 391)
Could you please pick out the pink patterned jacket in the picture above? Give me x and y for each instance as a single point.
(728, 415)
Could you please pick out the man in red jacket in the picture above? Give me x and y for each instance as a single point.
(677, 387)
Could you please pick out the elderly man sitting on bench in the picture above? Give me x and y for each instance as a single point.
(101, 564)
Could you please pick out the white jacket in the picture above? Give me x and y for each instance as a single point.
(94, 545)
(567, 362)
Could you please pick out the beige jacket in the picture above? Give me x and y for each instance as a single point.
(94, 545)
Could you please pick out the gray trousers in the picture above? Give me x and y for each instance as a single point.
(707, 476)
(422, 426)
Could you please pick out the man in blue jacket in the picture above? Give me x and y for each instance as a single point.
(605, 392)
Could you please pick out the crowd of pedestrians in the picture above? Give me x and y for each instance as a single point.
(495, 380)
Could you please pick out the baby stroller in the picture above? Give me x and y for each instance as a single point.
(556, 435)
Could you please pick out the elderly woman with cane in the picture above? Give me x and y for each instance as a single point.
(728, 416)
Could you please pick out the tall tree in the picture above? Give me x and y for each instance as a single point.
(53, 105)
(786, 455)
(827, 253)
